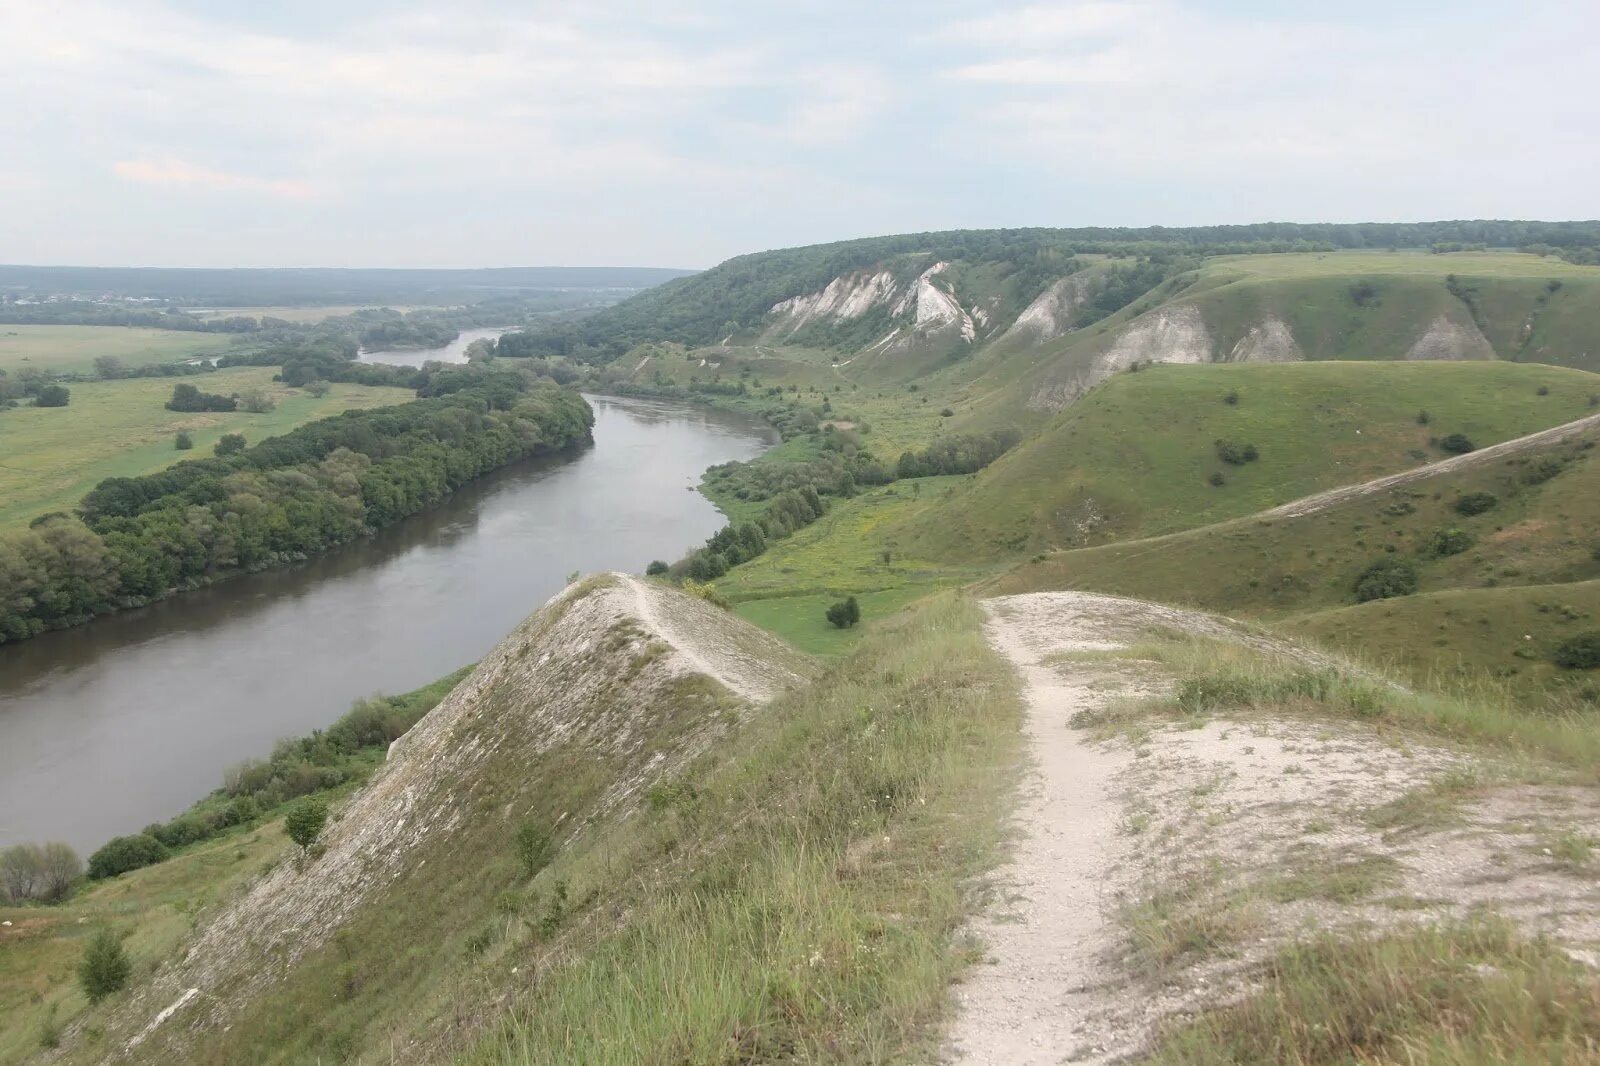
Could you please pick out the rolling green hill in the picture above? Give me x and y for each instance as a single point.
(1137, 456)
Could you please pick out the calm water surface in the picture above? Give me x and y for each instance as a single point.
(454, 352)
(106, 728)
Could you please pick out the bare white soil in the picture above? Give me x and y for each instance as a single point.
(1239, 828)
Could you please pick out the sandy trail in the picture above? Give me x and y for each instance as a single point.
(1041, 1001)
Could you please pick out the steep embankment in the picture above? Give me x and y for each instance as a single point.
(609, 691)
(1143, 454)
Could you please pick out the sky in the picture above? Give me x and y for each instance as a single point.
(356, 133)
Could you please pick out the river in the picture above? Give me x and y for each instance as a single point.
(110, 726)
(454, 352)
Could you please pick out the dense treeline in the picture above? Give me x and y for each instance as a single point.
(964, 454)
(286, 498)
(84, 313)
(737, 294)
(731, 545)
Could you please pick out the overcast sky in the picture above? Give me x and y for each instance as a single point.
(354, 133)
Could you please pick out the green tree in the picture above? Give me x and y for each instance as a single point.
(105, 968)
(52, 396)
(305, 820)
(317, 387)
(1386, 578)
(1581, 652)
(107, 366)
(184, 442)
(230, 444)
(845, 613)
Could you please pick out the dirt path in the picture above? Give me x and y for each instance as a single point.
(1158, 862)
(1321, 501)
(1041, 1000)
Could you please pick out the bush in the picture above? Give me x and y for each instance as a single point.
(122, 854)
(1448, 542)
(1474, 503)
(945, 412)
(52, 396)
(257, 401)
(1581, 652)
(317, 387)
(1544, 390)
(1216, 480)
(845, 613)
(183, 442)
(1231, 399)
(656, 568)
(230, 444)
(305, 820)
(534, 848)
(1385, 579)
(188, 398)
(1457, 444)
(1542, 469)
(105, 968)
(1423, 418)
(1235, 454)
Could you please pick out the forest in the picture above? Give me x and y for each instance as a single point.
(141, 539)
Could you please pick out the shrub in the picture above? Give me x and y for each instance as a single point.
(845, 613)
(1216, 480)
(188, 398)
(1542, 469)
(1236, 454)
(317, 387)
(52, 396)
(183, 442)
(656, 568)
(1448, 542)
(1544, 390)
(1457, 444)
(1231, 399)
(945, 412)
(534, 847)
(1476, 503)
(257, 401)
(105, 968)
(1385, 579)
(305, 820)
(121, 854)
(1364, 294)
(1423, 418)
(1581, 652)
(230, 444)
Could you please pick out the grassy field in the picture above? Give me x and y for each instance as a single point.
(61, 349)
(1134, 458)
(1405, 261)
(288, 314)
(51, 456)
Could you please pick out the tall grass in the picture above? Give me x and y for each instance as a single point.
(1476, 992)
(811, 905)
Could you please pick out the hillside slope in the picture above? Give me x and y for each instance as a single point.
(607, 692)
(1141, 456)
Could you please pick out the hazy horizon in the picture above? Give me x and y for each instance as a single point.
(175, 133)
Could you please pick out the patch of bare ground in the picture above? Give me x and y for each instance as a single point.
(1163, 856)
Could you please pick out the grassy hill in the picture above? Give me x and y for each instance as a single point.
(1501, 579)
(1137, 456)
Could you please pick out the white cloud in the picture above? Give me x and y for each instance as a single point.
(178, 174)
(1030, 27)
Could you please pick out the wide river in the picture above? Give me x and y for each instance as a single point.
(128, 720)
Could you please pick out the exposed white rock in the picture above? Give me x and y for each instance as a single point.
(1050, 314)
(1446, 339)
(1268, 341)
(845, 298)
(1165, 335)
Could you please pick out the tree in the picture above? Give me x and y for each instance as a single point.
(317, 387)
(52, 396)
(21, 872)
(1457, 444)
(184, 442)
(305, 820)
(230, 444)
(61, 866)
(1386, 578)
(107, 366)
(121, 854)
(105, 968)
(845, 613)
(256, 401)
(656, 568)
